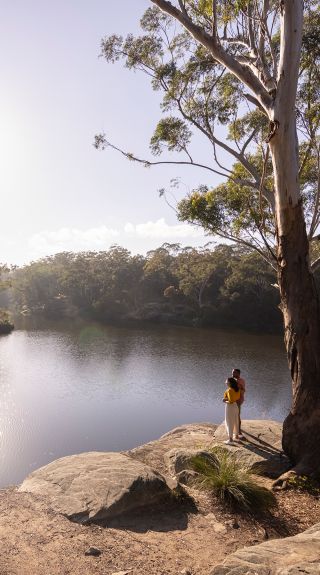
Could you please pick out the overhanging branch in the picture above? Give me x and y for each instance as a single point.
(101, 143)
(246, 243)
(315, 265)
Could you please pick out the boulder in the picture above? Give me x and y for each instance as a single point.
(290, 556)
(96, 487)
(179, 464)
(190, 436)
(261, 450)
(170, 455)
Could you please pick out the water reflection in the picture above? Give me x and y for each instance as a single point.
(85, 388)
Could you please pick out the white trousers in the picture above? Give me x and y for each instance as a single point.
(232, 419)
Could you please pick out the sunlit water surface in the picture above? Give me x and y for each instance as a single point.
(69, 390)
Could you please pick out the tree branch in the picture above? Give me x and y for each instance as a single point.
(214, 140)
(266, 243)
(183, 8)
(290, 53)
(246, 243)
(243, 73)
(239, 40)
(247, 142)
(250, 30)
(315, 217)
(269, 79)
(305, 158)
(315, 265)
(254, 101)
(214, 20)
(101, 143)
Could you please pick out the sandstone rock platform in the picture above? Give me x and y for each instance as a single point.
(261, 448)
(298, 555)
(96, 487)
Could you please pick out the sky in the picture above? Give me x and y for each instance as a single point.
(57, 192)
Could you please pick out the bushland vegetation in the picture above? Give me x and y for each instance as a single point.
(224, 286)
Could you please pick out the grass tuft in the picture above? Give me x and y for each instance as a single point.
(233, 483)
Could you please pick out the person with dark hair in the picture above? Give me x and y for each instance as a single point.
(242, 386)
(230, 398)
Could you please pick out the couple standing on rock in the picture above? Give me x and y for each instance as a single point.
(234, 398)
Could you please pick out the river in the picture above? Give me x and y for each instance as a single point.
(70, 389)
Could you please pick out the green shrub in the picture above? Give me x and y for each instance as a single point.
(232, 482)
(305, 484)
(6, 326)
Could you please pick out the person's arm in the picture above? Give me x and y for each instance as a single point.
(243, 385)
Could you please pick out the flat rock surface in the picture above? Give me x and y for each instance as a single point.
(191, 436)
(161, 540)
(96, 486)
(261, 450)
(290, 556)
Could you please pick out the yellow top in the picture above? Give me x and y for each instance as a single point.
(231, 395)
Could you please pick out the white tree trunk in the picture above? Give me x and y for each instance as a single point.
(283, 131)
(299, 298)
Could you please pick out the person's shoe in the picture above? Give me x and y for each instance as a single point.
(228, 442)
(240, 436)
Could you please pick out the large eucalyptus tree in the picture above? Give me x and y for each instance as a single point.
(252, 67)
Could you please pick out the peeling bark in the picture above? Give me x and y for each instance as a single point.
(301, 315)
(299, 298)
(299, 305)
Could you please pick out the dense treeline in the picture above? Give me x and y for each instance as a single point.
(225, 286)
(6, 325)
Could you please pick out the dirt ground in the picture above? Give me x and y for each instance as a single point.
(175, 540)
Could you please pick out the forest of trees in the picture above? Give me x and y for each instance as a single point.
(6, 325)
(225, 286)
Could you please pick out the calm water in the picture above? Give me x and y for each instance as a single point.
(65, 391)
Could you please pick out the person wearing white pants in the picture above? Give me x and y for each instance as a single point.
(230, 398)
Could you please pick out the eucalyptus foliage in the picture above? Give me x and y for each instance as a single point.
(203, 95)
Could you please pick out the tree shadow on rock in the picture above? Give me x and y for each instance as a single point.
(260, 444)
(276, 462)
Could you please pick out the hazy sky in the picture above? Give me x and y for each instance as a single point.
(58, 192)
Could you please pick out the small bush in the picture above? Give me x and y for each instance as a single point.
(305, 484)
(233, 483)
(6, 326)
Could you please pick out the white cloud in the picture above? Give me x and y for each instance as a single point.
(71, 239)
(161, 230)
(101, 238)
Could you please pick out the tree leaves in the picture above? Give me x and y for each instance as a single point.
(172, 133)
(225, 285)
(201, 96)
